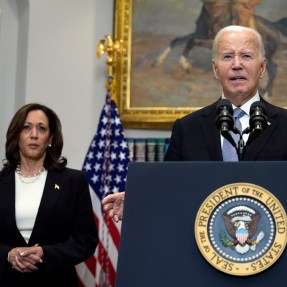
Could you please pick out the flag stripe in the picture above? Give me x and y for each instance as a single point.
(105, 167)
(115, 234)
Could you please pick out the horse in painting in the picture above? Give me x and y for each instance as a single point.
(215, 15)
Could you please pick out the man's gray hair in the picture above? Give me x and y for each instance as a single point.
(241, 29)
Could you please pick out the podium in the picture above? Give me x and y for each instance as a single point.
(158, 245)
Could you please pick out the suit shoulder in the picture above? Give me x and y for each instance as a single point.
(73, 173)
(199, 114)
(273, 110)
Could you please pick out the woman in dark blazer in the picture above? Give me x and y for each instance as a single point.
(47, 224)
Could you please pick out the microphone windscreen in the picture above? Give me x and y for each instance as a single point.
(224, 104)
(257, 105)
(258, 117)
(224, 115)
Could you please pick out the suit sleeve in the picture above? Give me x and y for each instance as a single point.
(174, 148)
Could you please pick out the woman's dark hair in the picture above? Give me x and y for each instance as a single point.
(53, 159)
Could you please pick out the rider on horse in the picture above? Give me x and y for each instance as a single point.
(241, 12)
(244, 13)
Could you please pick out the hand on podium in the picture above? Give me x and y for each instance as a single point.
(113, 204)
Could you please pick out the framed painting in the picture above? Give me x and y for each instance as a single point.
(166, 70)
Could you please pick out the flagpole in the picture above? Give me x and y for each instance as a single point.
(111, 48)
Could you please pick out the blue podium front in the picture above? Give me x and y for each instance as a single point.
(178, 226)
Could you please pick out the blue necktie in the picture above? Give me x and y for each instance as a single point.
(229, 153)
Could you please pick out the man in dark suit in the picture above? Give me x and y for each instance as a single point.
(239, 64)
(196, 138)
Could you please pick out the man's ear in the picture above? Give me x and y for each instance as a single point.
(214, 67)
(263, 68)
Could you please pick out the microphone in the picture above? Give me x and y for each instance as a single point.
(257, 120)
(224, 116)
(224, 119)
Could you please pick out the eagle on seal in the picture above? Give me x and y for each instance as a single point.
(241, 223)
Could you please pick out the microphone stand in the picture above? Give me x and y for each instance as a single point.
(240, 147)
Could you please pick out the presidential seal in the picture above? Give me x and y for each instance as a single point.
(240, 229)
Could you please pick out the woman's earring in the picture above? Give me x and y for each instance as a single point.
(49, 145)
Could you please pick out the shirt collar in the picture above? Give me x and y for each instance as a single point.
(247, 105)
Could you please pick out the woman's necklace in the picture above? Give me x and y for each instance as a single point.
(29, 178)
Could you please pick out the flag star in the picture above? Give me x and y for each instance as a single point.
(120, 167)
(97, 167)
(104, 120)
(117, 132)
(117, 121)
(113, 156)
(87, 167)
(95, 178)
(99, 155)
(103, 132)
(122, 156)
(101, 143)
(115, 189)
(118, 179)
(90, 155)
(124, 144)
(93, 144)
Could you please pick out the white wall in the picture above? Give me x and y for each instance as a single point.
(47, 54)
(8, 52)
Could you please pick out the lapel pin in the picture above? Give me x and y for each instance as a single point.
(56, 186)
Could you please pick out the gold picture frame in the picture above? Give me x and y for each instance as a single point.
(175, 92)
(136, 117)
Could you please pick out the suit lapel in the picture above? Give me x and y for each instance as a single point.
(256, 146)
(211, 133)
(51, 193)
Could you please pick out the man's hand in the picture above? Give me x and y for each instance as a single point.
(113, 204)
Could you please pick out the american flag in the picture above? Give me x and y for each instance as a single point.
(105, 166)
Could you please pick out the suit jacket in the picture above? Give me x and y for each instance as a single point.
(64, 227)
(196, 138)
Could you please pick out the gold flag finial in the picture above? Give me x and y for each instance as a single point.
(112, 48)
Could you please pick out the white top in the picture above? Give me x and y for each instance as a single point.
(27, 201)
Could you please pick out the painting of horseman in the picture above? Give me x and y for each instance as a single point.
(171, 49)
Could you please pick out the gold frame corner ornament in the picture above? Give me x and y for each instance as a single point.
(136, 117)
